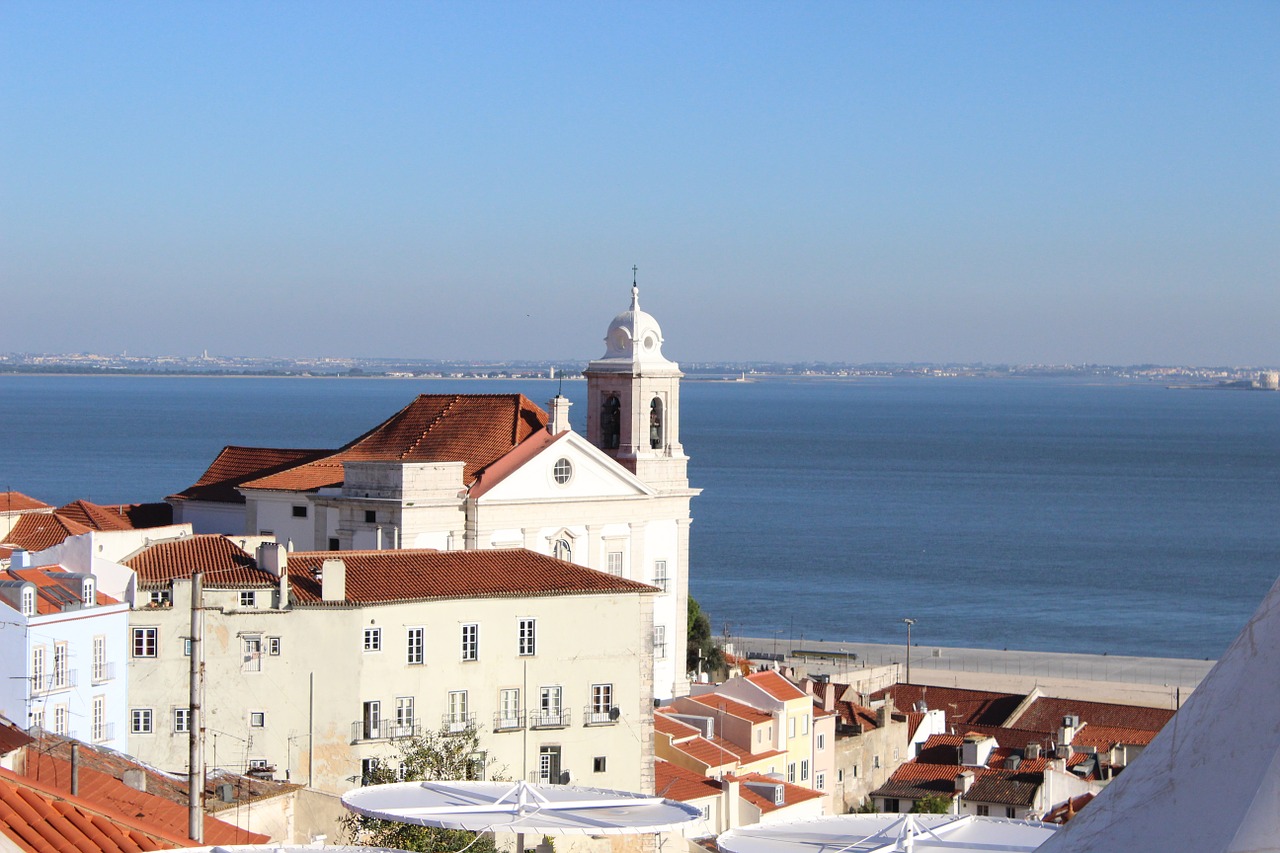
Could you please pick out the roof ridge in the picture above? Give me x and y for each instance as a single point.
(444, 413)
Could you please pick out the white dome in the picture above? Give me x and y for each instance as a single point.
(634, 335)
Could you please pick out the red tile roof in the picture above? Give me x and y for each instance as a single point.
(36, 531)
(915, 780)
(959, 705)
(1005, 787)
(475, 429)
(499, 470)
(677, 783)
(1106, 737)
(792, 794)
(118, 516)
(53, 594)
(675, 729)
(223, 563)
(732, 707)
(1046, 714)
(409, 575)
(235, 466)
(11, 502)
(713, 752)
(776, 686)
(12, 737)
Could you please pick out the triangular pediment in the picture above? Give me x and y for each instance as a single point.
(542, 475)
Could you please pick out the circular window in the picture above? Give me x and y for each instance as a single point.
(650, 342)
(563, 471)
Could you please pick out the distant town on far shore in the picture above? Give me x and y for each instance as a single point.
(1234, 377)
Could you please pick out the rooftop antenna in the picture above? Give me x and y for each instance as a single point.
(635, 288)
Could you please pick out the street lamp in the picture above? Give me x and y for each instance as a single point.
(909, 622)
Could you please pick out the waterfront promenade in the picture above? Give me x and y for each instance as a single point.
(1156, 682)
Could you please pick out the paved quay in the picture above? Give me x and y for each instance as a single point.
(1156, 682)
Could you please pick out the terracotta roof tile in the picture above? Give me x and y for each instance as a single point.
(732, 707)
(235, 466)
(475, 429)
(792, 794)
(118, 516)
(914, 780)
(12, 737)
(1005, 787)
(222, 561)
(36, 531)
(1106, 737)
(408, 575)
(713, 752)
(960, 706)
(11, 502)
(776, 686)
(677, 783)
(53, 594)
(1046, 714)
(673, 728)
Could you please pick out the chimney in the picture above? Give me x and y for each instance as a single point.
(333, 581)
(284, 591)
(559, 414)
(964, 781)
(729, 802)
(884, 716)
(135, 778)
(273, 557)
(377, 539)
(1032, 751)
(75, 769)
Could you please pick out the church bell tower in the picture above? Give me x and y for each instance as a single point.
(633, 401)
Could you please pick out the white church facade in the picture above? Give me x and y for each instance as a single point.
(484, 471)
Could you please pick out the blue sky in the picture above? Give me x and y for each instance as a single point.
(1000, 182)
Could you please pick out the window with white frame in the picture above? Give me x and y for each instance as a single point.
(59, 719)
(28, 601)
(257, 764)
(471, 641)
(251, 649)
(791, 727)
(822, 740)
(368, 767)
(458, 719)
(660, 579)
(404, 716)
(60, 677)
(804, 724)
(257, 719)
(791, 772)
(660, 641)
(273, 646)
(983, 810)
(615, 563)
(145, 641)
(414, 646)
(98, 722)
(562, 550)
(549, 705)
(373, 639)
(804, 770)
(528, 637)
(99, 658)
(601, 698)
(182, 720)
(248, 598)
(820, 781)
(509, 708)
(36, 718)
(140, 721)
(562, 472)
(37, 669)
(159, 598)
(88, 593)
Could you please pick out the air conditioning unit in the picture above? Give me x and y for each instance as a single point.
(1071, 721)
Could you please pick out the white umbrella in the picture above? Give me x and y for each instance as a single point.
(519, 807)
(883, 833)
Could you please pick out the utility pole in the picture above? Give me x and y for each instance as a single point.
(195, 717)
(909, 622)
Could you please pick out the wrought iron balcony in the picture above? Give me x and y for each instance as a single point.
(508, 721)
(457, 723)
(383, 730)
(550, 718)
(594, 716)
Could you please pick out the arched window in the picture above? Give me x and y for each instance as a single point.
(88, 596)
(611, 423)
(28, 601)
(655, 423)
(562, 550)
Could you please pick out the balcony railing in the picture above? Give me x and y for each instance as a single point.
(457, 723)
(550, 719)
(103, 732)
(593, 716)
(508, 721)
(383, 730)
(104, 672)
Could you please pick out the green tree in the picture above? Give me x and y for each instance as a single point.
(700, 644)
(932, 804)
(431, 757)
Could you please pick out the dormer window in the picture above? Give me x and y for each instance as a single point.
(88, 597)
(562, 550)
(611, 423)
(655, 423)
(28, 601)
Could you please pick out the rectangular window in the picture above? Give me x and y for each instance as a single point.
(471, 642)
(37, 719)
(334, 544)
(140, 721)
(528, 637)
(476, 763)
(601, 704)
(273, 646)
(820, 781)
(37, 669)
(373, 639)
(370, 516)
(160, 598)
(182, 720)
(983, 810)
(60, 665)
(371, 720)
(404, 716)
(660, 574)
(414, 646)
(615, 563)
(706, 811)
(549, 764)
(1009, 811)
(145, 641)
(458, 719)
(822, 740)
(299, 512)
(598, 764)
(804, 770)
(791, 772)
(659, 641)
(508, 708)
(804, 724)
(550, 710)
(59, 719)
(99, 658)
(248, 598)
(257, 719)
(98, 724)
(251, 654)
(891, 805)
(368, 767)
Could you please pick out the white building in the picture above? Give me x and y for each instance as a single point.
(480, 471)
(63, 653)
(318, 662)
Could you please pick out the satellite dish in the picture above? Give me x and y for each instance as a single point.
(615, 713)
